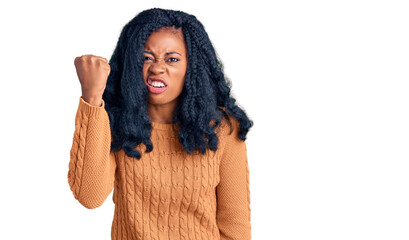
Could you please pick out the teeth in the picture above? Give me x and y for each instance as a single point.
(156, 84)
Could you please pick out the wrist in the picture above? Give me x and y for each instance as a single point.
(93, 100)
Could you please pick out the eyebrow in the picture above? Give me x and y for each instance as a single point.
(166, 54)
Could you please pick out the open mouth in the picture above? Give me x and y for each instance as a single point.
(156, 83)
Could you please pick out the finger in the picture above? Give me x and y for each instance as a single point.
(103, 59)
(76, 60)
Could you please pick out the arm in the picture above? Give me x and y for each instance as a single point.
(92, 166)
(233, 192)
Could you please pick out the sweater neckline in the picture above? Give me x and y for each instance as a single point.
(162, 126)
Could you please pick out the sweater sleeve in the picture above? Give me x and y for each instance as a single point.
(92, 165)
(233, 191)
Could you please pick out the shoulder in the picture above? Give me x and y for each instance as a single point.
(229, 130)
(230, 145)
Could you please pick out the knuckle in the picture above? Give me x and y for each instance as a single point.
(82, 59)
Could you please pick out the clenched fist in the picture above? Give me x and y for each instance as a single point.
(93, 73)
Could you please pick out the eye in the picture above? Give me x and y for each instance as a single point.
(146, 58)
(173, 59)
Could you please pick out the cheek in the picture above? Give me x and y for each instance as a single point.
(182, 78)
(182, 72)
(178, 75)
(144, 71)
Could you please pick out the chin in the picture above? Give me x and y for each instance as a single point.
(156, 100)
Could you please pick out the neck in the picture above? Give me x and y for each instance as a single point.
(161, 113)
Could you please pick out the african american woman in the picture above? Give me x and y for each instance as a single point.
(159, 126)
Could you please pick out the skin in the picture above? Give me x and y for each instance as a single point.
(93, 73)
(165, 57)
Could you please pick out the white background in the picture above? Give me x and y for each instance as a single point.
(326, 83)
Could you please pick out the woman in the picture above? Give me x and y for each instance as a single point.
(159, 126)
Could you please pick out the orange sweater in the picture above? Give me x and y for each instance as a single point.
(167, 194)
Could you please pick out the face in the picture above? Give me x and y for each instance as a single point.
(165, 65)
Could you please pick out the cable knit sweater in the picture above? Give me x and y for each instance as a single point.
(168, 193)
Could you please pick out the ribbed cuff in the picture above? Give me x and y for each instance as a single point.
(91, 110)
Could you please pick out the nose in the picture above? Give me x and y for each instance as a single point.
(157, 67)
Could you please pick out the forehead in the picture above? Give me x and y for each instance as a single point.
(166, 37)
(170, 30)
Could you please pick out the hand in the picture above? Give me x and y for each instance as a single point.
(93, 72)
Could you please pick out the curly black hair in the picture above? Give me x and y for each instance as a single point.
(205, 99)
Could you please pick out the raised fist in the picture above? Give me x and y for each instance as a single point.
(93, 72)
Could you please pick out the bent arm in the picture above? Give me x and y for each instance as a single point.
(233, 191)
(92, 166)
